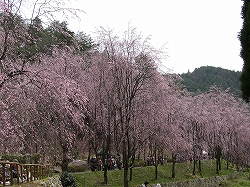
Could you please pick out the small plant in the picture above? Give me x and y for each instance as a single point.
(36, 157)
(67, 180)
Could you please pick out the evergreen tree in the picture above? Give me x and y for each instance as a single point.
(244, 36)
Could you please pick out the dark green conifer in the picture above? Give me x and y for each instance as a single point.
(244, 37)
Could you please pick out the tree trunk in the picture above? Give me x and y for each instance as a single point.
(139, 155)
(125, 167)
(130, 172)
(194, 166)
(65, 160)
(89, 155)
(227, 160)
(131, 166)
(199, 165)
(217, 166)
(173, 165)
(156, 171)
(194, 159)
(219, 163)
(105, 174)
(156, 163)
(200, 168)
(218, 156)
(64, 165)
(105, 159)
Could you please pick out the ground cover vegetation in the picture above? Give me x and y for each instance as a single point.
(141, 174)
(241, 181)
(64, 96)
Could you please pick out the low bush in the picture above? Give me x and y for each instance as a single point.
(77, 168)
(68, 180)
(22, 159)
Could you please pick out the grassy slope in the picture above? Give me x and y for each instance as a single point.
(141, 174)
(242, 181)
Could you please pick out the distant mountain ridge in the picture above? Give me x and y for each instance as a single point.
(201, 79)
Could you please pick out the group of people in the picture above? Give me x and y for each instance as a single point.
(7, 172)
(146, 184)
(111, 162)
(151, 160)
(95, 164)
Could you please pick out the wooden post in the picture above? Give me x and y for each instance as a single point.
(27, 173)
(17, 170)
(3, 173)
(21, 171)
(31, 172)
(11, 174)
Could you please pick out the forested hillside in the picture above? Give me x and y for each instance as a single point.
(202, 78)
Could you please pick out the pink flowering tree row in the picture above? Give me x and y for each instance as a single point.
(213, 123)
(42, 104)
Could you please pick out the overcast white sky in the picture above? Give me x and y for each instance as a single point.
(198, 32)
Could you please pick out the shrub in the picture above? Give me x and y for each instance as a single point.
(22, 159)
(36, 157)
(77, 168)
(67, 180)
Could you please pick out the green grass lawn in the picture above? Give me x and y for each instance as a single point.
(242, 181)
(141, 174)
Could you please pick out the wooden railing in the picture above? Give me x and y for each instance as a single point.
(20, 173)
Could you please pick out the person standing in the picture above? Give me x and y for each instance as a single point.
(99, 164)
